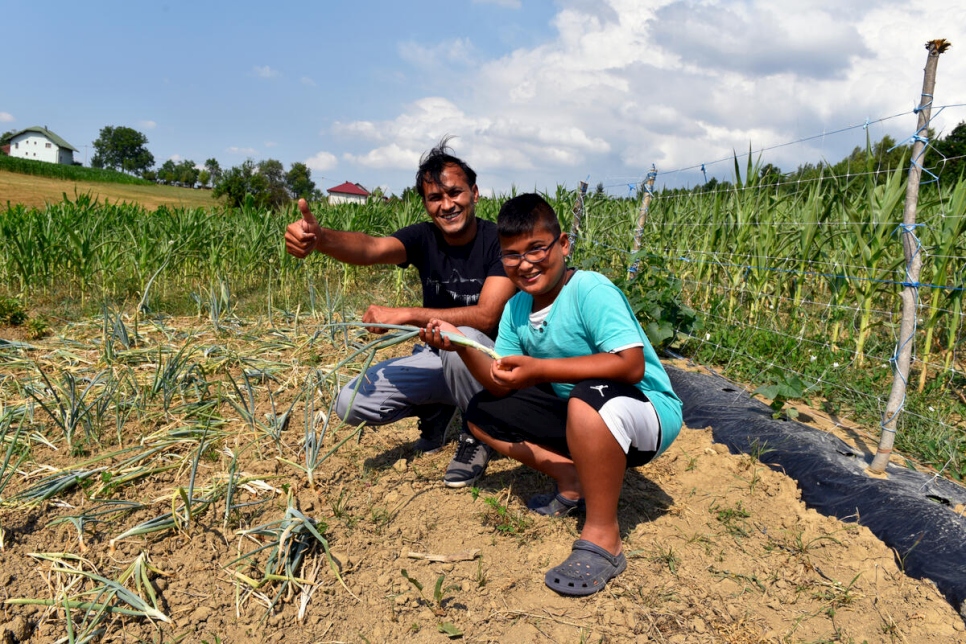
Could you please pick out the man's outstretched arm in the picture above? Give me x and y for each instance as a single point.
(306, 235)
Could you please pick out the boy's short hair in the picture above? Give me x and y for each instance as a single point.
(522, 214)
(432, 164)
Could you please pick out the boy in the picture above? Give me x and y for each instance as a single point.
(578, 394)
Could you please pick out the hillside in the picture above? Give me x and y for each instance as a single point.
(36, 191)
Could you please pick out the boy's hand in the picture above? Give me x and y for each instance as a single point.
(433, 335)
(302, 236)
(516, 372)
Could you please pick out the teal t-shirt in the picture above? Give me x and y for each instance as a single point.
(590, 315)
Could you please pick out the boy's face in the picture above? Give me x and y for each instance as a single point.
(451, 204)
(541, 271)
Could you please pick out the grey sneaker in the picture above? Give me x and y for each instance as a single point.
(434, 420)
(469, 463)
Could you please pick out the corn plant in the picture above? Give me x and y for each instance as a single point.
(940, 270)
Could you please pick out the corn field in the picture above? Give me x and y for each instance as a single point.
(769, 282)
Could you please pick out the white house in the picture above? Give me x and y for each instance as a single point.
(348, 193)
(40, 144)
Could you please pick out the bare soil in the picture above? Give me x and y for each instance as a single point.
(720, 547)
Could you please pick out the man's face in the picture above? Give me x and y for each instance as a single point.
(451, 204)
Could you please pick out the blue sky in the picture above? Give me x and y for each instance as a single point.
(536, 94)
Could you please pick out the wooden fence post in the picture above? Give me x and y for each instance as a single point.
(910, 245)
(578, 212)
(642, 219)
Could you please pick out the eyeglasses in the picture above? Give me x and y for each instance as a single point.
(534, 256)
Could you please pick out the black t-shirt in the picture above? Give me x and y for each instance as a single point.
(452, 276)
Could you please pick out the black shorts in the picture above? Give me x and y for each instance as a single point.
(537, 415)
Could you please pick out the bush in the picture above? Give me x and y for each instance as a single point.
(12, 312)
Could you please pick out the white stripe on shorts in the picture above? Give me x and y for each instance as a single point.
(632, 422)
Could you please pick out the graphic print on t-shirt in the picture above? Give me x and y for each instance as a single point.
(456, 287)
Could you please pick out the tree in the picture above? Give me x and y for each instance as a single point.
(204, 177)
(770, 175)
(214, 170)
(122, 148)
(299, 181)
(235, 183)
(168, 172)
(953, 150)
(276, 193)
(186, 173)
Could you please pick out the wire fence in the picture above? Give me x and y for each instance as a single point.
(797, 279)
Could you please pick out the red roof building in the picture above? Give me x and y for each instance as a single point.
(348, 193)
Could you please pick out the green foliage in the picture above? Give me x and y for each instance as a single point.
(438, 603)
(37, 327)
(656, 298)
(12, 312)
(66, 172)
(951, 153)
(254, 185)
(504, 519)
(214, 169)
(122, 148)
(275, 193)
(784, 387)
(298, 179)
(733, 519)
(182, 173)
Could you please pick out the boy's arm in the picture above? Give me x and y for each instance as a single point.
(517, 372)
(478, 363)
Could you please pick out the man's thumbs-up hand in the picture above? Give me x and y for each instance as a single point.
(302, 236)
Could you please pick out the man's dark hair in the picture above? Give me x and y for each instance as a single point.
(432, 164)
(522, 215)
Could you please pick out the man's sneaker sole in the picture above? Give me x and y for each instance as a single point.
(458, 484)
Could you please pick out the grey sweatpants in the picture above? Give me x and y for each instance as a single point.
(391, 390)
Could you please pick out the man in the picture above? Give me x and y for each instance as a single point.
(463, 282)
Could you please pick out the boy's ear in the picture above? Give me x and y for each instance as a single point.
(565, 244)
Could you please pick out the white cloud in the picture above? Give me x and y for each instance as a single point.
(626, 83)
(175, 157)
(147, 125)
(322, 162)
(238, 150)
(510, 4)
(357, 129)
(6, 117)
(305, 80)
(391, 156)
(264, 72)
(458, 50)
(270, 144)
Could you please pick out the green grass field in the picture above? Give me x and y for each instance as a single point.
(37, 191)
